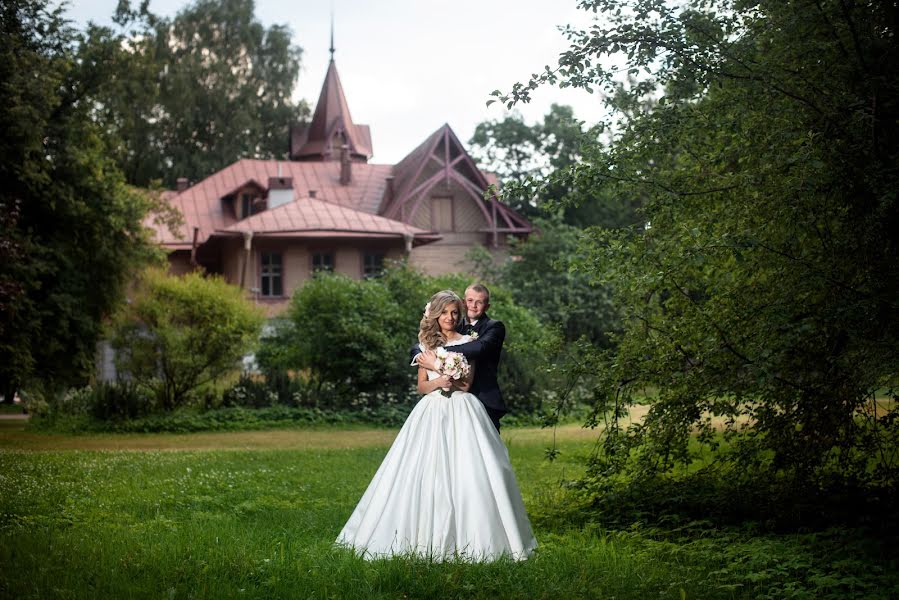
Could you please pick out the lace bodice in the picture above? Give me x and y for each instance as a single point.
(462, 340)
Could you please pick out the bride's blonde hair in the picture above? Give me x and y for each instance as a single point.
(429, 333)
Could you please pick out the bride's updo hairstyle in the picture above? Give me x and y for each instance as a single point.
(429, 333)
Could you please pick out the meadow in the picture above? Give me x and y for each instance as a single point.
(254, 514)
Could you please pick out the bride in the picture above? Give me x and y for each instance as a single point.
(446, 489)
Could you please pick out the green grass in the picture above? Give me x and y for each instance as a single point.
(254, 514)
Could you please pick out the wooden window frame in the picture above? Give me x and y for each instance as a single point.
(381, 257)
(273, 278)
(329, 253)
(452, 205)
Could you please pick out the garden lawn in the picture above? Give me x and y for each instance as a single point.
(254, 514)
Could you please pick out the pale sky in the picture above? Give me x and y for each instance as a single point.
(409, 66)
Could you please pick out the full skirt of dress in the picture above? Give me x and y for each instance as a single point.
(445, 490)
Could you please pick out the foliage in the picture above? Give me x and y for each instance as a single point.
(765, 288)
(355, 336)
(544, 278)
(71, 231)
(181, 333)
(249, 417)
(518, 153)
(345, 334)
(189, 95)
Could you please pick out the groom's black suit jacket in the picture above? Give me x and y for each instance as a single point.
(484, 353)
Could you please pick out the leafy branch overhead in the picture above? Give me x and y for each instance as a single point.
(760, 285)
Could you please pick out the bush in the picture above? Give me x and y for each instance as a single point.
(352, 338)
(346, 334)
(543, 278)
(232, 418)
(108, 401)
(182, 333)
(119, 400)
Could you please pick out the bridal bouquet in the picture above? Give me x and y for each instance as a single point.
(452, 364)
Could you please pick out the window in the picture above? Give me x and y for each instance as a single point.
(246, 205)
(442, 213)
(323, 261)
(372, 264)
(271, 274)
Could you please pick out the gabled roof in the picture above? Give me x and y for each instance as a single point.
(202, 207)
(331, 127)
(308, 217)
(416, 175)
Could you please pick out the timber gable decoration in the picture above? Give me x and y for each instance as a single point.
(262, 223)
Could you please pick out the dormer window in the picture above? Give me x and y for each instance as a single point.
(249, 204)
(246, 205)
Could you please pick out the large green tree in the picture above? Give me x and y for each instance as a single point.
(189, 95)
(70, 229)
(520, 153)
(764, 288)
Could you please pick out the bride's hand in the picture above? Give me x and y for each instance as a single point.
(443, 382)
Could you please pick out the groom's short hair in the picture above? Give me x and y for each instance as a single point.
(481, 289)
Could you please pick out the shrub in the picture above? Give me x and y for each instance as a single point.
(352, 339)
(118, 400)
(182, 333)
(345, 333)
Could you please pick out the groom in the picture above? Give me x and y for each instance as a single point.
(484, 352)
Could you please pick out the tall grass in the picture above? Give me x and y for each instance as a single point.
(241, 523)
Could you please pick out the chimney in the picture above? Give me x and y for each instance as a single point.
(312, 193)
(181, 184)
(389, 191)
(280, 191)
(346, 172)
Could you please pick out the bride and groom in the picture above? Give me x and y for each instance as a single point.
(446, 489)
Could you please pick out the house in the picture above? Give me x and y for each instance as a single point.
(267, 225)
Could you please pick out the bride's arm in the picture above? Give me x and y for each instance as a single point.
(426, 387)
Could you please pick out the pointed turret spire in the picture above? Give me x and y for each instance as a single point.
(332, 34)
(332, 126)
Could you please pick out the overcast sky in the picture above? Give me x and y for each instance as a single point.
(409, 66)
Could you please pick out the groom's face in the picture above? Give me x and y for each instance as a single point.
(476, 304)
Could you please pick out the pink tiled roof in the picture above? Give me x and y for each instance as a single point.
(201, 204)
(314, 218)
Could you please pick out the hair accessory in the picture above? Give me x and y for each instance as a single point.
(428, 310)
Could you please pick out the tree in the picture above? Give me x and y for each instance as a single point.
(181, 333)
(542, 277)
(522, 155)
(71, 229)
(764, 289)
(190, 95)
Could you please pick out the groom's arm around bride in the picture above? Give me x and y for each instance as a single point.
(484, 351)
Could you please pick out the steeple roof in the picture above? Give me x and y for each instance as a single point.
(331, 127)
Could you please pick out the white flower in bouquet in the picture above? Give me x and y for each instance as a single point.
(452, 364)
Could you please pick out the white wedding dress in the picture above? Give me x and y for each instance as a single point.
(445, 491)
